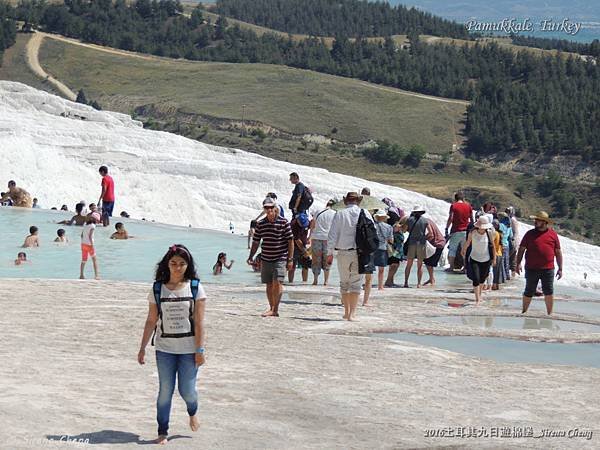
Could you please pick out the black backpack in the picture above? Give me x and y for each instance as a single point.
(306, 200)
(367, 240)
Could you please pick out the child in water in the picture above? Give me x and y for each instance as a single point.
(32, 240)
(21, 258)
(60, 236)
(221, 262)
(121, 232)
(87, 246)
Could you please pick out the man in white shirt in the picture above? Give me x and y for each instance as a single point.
(319, 231)
(342, 238)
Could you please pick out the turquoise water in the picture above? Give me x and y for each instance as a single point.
(518, 323)
(133, 260)
(509, 350)
(587, 308)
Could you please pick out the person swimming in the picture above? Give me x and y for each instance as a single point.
(222, 262)
(121, 232)
(33, 239)
(21, 258)
(60, 236)
(78, 219)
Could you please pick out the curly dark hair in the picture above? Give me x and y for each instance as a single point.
(163, 274)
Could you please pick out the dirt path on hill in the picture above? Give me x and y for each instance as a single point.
(33, 50)
(114, 51)
(414, 94)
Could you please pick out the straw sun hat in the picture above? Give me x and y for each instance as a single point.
(543, 216)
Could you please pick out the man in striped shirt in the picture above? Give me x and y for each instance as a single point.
(277, 250)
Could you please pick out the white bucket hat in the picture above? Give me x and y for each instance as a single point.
(418, 208)
(484, 223)
(381, 213)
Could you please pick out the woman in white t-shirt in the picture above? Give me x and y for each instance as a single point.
(176, 313)
(483, 254)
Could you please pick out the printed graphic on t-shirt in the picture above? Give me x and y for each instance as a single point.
(177, 317)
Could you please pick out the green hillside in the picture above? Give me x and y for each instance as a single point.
(292, 100)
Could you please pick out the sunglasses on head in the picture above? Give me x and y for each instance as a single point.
(268, 207)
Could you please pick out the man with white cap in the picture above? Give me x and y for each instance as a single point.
(415, 244)
(277, 249)
(483, 254)
(342, 238)
(540, 247)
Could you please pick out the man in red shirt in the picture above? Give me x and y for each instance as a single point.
(107, 196)
(542, 246)
(461, 214)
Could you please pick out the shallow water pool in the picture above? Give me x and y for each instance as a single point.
(509, 350)
(518, 323)
(133, 260)
(583, 308)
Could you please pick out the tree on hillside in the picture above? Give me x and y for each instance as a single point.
(414, 156)
(81, 98)
(220, 28)
(8, 27)
(196, 18)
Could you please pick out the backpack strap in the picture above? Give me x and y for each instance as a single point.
(194, 283)
(321, 212)
(491, 247)
(156, 288)
(412, 228)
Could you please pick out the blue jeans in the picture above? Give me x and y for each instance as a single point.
(184, 367)
(506, 262)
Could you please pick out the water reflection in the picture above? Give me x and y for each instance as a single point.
(510, 350)
(515, 323)
(589, 308)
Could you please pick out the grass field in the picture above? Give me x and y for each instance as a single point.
(184, 89)
(14, 65)
(292, 100)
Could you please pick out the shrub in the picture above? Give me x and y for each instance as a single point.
(258, 133)
(414, 156)
(385, 153)
(550, 183)
(467, 165)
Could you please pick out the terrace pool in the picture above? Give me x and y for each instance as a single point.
(518, 323)
(588, 308)
(509, 350)
(133, 260)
